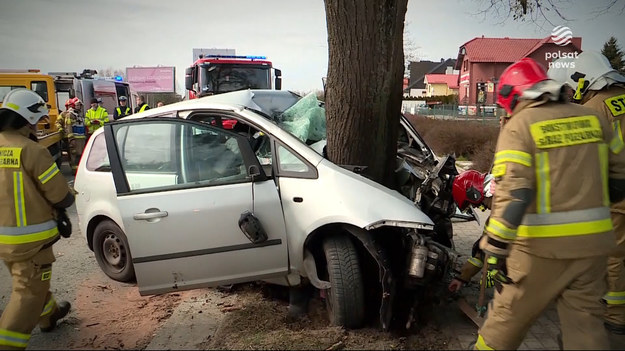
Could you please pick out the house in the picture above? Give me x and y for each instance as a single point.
(419, 69)
(482, 60)
(441, 84)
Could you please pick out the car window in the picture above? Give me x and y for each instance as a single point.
(164, 154)
(40, 88)
(147, 152)
(98, 159)
(292, 165)
(4, 89)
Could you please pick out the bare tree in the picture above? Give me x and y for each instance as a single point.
(364, 83)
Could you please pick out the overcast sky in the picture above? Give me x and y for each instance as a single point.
(291, 33)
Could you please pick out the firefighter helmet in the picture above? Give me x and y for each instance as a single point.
(592, 71)
(517, 78)
(25, 103)
(468, 188)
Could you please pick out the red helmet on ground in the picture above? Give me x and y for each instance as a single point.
(517, 78)
(468, 188)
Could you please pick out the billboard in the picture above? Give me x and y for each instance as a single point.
(205, 52)
(151, 79)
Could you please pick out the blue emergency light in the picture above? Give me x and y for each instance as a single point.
(119, 79)
(235, 56)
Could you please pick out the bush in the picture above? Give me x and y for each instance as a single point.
(473, 140)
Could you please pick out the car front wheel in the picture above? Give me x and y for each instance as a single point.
(345, 298)
(112, 252)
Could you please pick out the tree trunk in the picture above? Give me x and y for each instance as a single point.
(364, 83)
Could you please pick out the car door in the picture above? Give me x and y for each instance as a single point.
(182, 187)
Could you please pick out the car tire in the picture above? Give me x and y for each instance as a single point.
(345, 298)
(112, 252)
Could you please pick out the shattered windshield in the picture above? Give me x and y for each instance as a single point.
(224, 78)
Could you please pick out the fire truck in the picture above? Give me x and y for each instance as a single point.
(215, 74)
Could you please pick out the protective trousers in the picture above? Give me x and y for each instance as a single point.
(615, 298)
(31, 302)
(76, 147)
(576, 285)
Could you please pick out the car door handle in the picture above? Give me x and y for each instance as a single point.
(150, 215)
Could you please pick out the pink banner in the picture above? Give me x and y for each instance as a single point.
(151, 79)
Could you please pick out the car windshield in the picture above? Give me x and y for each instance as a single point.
(225, 78)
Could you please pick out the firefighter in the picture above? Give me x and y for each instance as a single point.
(74, 131)
(141, 105)
(599, 86)
(122, 110)
(557, 167)
(472, 188)
(95, 117)
(31, 190)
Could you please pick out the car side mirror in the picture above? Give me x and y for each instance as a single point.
(251, 227)
(253, 171)
(278, 83)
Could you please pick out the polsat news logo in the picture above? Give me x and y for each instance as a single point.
(561, 36)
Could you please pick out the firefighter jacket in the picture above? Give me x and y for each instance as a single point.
(30, 183)
(71, 125)
(558, 157)
(611, 103)
(100, 114)
(121, 112)
(142, 108)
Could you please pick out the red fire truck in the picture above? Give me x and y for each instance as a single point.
(215, 74)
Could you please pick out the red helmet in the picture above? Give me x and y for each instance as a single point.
(517, 78)
(468, 188)
(68, 103)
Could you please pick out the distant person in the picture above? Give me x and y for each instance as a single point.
(141, 105)
(160, 104)
(122, 110)
(95, 117)
(71, 124)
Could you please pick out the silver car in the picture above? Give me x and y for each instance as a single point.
(172, 198)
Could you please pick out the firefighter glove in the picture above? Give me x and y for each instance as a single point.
(63, 224)
(497, 271)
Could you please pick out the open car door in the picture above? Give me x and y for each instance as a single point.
(182, 187)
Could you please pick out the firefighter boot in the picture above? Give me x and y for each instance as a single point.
(62, 309)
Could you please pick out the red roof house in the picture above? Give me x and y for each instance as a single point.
(441, 84)
(482, 60)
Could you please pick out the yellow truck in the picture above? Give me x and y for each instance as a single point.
(43, 85)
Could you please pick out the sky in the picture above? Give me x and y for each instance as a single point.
(71, 35)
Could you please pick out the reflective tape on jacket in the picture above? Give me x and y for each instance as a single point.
(143, 107)
(480, 344)
(515, 156)
(566, 223)
(543, 183)
(476, 262)
(48, 173)
(499, 229)
(15, 339)
(615, 298)
(604, 166)
(617, 144)
(29, 233)
(18, 199)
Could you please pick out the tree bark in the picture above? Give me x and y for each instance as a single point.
(364, 83)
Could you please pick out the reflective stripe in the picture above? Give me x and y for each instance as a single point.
(28, 234)
(543, 183)
(617, 144)
(568, 229)
(499, 229)
(47, 309)
(18, 196)
(476, 262)
(48, 174)
(565, 217)
(603, 164)
(481, 344)
(515, 156)
(15, 339)
(143, 107)
(615, 298)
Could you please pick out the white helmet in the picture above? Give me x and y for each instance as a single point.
(595, 70)
(26, 103)
(558, 71)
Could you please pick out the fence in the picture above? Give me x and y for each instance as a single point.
(459, 112)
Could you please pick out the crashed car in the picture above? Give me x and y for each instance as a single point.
(175, 200)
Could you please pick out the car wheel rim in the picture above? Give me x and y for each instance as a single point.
(114, 251)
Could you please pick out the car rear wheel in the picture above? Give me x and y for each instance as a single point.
(345, 298)
(112, 252)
